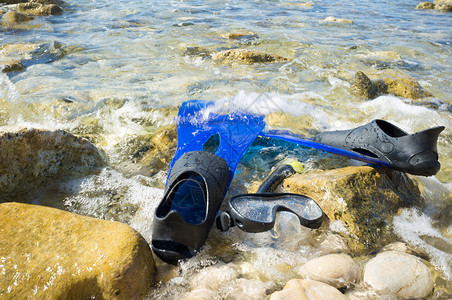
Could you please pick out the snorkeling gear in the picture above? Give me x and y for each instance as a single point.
(257, 212)
(194, 192)
(198, 180)
(210, 143)
(412, 153)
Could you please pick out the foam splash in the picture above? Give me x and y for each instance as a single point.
(267, 103)
(410, 225)
(405, 115)
(110, 194)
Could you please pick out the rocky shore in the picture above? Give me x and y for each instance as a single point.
(47, 251)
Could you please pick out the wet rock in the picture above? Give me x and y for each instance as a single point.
(333, 243)
(12, 17)
(364, 87)
(13, 1)
(400, 86)
(301, 4)
(33, 158)
(338, 270)
(199, 294)
(332, 19)
(50, 253)
(398, 273)
(425, 5)
(403, 87)
(246, 56)
(443, 5)
(10, 65)
(38, 9)
(159, 153)
(239, 35)
(307, 289)
(362, 198)
(214, 277)
(403, 247)
(20, 51)
(246, 289)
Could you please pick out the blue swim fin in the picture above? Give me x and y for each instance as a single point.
(198, 179)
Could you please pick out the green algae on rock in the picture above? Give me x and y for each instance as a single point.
(246, 56)
(437, 5)
(50, 253)
(362, 198)
(400, 86)
(39, 9)
(31, 158)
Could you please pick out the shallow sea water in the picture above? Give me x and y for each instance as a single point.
(106, 70)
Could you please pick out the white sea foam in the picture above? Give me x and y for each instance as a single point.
(93, 196)
(267, 103)
(410, 225)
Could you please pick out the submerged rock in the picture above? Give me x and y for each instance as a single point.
(362, 198)
(443, 5)
(159, 153)
(12, 17)
(10, 65)
(246, 56)
(400, 86)
(332, 19)
(32, 158)
(39, 9)
(338, 270)
(49, 253)
(307, 289)
(398, 273)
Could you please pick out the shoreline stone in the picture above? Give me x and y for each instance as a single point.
(39, 9)
(307, 289)
(8, 65)
(337, 270)
(404, 87)
(50, 253)
(33, 158)
(332, 19)
(442, 5)
(398, 273)
(246, 56)
(363, 199)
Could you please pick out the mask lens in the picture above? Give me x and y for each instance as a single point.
(254, 209)
(263, 208)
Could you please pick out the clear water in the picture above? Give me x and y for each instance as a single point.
(108, 70)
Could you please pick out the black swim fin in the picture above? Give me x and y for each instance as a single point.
(194, 192)
(411, 153)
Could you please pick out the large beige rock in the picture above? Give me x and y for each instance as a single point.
(246, 56)
(32, 158)
(338, 270)
(297, 289)
(395, 272)
(48, 253)
(362, 198)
